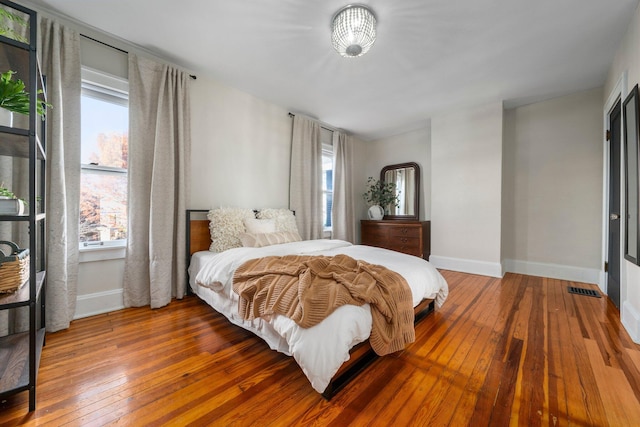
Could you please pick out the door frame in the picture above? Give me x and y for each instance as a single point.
(619, 92)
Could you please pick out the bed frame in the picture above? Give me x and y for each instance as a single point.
(361, 356)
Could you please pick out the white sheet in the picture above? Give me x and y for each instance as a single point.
(322, 349)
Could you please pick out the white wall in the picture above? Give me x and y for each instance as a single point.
(552, 188)
(361, 170)
(241, 149)
(627, 60)
(414, 146)
(466, 181)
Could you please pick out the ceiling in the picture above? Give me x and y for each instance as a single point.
(431, 56)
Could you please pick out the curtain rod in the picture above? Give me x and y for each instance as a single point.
(118, 49)
(322, 125)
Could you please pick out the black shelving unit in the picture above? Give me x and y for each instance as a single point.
(20, 352)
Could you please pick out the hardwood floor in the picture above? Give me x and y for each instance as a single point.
(519, 350)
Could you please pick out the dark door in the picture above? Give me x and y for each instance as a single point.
(613, 273)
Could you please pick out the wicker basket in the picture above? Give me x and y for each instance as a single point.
(14, 268)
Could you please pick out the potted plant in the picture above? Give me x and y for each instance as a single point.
(15, 99)
(379, 196)
(9, 203)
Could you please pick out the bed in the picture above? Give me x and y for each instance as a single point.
(328, 358)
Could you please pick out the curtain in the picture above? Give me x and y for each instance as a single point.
(342, 211)
(305, 187)
(159, 150)
(59, 49)
(409, 178)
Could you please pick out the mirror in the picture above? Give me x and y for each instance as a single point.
(406, 176)
(632, 193)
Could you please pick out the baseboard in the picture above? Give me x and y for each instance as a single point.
(483, 268)
(630, 319)
(99, 303)
(553, 271)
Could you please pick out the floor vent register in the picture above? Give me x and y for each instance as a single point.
(583, 291)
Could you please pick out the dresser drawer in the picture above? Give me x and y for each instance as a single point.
(399, 232)
(407, 245)
(374, 234)
(409, 237)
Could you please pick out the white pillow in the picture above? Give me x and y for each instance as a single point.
(258, 240)
(254, 225)
(284, 218)
(225, 226)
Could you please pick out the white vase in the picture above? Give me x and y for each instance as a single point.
(6, 118)
(376, 212)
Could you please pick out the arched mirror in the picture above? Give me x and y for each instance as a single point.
(406, 177)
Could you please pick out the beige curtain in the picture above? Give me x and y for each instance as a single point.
(305, 187)
(59, 49)
(407, 188)
(159, 150)
(342, 212)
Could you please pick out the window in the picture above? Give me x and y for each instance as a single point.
(326, 137)
(104, 153)
(327, 188)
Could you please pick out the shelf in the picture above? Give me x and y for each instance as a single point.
(39, 217)
(14, 358)
(15, 43)
(20, 353)
(15, 142)
(20, 298)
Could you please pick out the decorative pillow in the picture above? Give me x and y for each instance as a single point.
(254, 225)
(284, 218)
(258, 240)
(225, 225)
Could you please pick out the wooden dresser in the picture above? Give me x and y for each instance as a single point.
(409, 237)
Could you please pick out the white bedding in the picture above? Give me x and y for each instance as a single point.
(322, 349)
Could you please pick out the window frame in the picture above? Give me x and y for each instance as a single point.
(105, 87)
(326, 137)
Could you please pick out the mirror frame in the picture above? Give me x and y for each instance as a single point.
(416, 201)
(631, 164)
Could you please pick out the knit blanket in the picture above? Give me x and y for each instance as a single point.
(308, 288)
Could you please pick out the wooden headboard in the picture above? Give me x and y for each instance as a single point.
(198, 235)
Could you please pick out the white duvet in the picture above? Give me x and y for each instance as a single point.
(322, 349)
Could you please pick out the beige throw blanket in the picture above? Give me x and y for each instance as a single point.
(308, 288)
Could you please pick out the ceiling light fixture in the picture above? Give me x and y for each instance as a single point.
(353, 30)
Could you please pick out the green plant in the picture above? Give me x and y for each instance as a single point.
(7, 21)
(381, 193)
(5, 192)
(14, 97)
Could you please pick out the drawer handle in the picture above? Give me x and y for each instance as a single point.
(404, 230)
(404, 240)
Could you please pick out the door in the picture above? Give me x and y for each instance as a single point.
(613, 272)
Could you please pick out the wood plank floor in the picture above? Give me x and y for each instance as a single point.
(514, 351)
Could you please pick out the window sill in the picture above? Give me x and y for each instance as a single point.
(102, 253)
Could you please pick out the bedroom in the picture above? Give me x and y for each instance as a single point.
(507, 230)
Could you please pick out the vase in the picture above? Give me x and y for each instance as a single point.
(10, 206)
(376, 212)
(6, 117)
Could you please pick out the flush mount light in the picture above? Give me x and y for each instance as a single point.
(353, 30)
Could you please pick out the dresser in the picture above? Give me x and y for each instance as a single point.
(409, 237)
